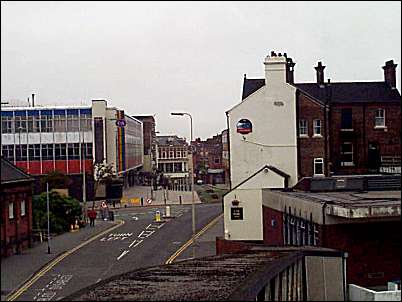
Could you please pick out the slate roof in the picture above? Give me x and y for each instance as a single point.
(342, 92)
(170, 140)
(11, 174)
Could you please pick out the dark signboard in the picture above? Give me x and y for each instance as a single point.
(98, 129)
(244, 126)
(236, 213)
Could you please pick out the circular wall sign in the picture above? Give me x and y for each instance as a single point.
(244, 126)
(121, 123)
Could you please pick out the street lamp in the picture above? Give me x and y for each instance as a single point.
(191, 174)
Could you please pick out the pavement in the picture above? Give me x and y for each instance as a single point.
(17, 269)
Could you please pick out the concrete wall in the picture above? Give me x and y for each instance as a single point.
(272, 112)
(357, 293)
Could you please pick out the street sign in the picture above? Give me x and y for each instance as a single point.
(236, 213)
(121, 123)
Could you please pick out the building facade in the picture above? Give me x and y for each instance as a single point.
(208, 162)
(225, 156)
(71, 139)
(150, 148)
(16, 209)
(174, 162)
(298, 130)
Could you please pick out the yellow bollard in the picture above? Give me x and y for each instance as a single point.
(158, 216)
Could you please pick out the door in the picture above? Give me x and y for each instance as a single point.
(374, 159)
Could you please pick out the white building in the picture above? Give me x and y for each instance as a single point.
(263, 149)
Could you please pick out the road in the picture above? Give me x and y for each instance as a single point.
(139, 242)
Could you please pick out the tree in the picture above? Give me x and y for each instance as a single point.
(63, 211)
(102, 173)
(56, 180)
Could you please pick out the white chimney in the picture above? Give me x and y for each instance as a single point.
(275, 69)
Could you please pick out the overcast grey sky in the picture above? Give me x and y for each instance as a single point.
(158, 57)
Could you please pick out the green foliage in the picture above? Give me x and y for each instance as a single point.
(56, 180)
(63, 212)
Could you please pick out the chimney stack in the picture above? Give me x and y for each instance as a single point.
(289, 70)
(275, 69)
(320, 74)
(390, 73)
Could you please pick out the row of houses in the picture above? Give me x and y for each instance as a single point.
(317, 164)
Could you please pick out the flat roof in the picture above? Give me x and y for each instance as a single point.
(213, 278)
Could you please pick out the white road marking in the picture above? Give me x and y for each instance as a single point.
(135, 241)
(135, 218)
(122, 255)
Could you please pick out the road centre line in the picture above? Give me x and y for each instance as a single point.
(49, 266)
(189, 242)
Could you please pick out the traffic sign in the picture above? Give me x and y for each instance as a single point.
(121, 123)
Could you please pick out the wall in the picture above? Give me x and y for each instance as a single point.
(310, 147)
(272, 112)
(357, 293)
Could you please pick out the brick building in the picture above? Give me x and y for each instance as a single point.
(344, 127)
(225, 155)
(208, 163)
(16, 209)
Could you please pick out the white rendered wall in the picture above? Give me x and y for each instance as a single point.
(273, 141)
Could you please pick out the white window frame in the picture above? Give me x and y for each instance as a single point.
(318, 160)
(378, 117)
(315, 127)
(347, 163)
(23, 208)
(305, 127)
(11, 210)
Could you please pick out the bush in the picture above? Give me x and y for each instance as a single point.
(63, 211)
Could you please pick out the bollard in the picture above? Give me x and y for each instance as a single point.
(142, 201)
(180, 199)
(158, 216)
(167, 214)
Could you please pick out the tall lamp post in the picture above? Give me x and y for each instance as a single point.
(191, 175)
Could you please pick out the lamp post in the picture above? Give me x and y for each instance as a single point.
(48, 218)
(191, 175)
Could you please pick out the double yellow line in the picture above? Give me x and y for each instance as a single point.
(188, 243)
(50, 265)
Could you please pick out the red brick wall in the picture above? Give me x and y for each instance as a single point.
(224, 246)
(364, 133)
(310, 147)
(19, 226)
(374, 250)
(272, 226)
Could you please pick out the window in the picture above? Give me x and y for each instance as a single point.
(217, 160)
(73, 151)
(303, 128)
(47, 151)
(6, 124)
(59, 123)
(88, 152)
(318, 166)
(20, 124)
(346, 118)
(21, 152)
(34, 152)
(380, 118)
(178, 154)
(72, 123)
(46, 123)
(86, 122)
(317, 128)
(33, 124)
(8, 152)
(178, 167)
(60, 151)
(22, 207)
(10, 210)
(347, 154)
(171, 154)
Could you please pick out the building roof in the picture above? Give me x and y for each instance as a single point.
(170, 140)
(213, 278)
(341, 92)
(12, 174)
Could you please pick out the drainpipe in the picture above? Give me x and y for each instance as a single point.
(297, 136)
(324, 239)
(227, 124)
(345, 288)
